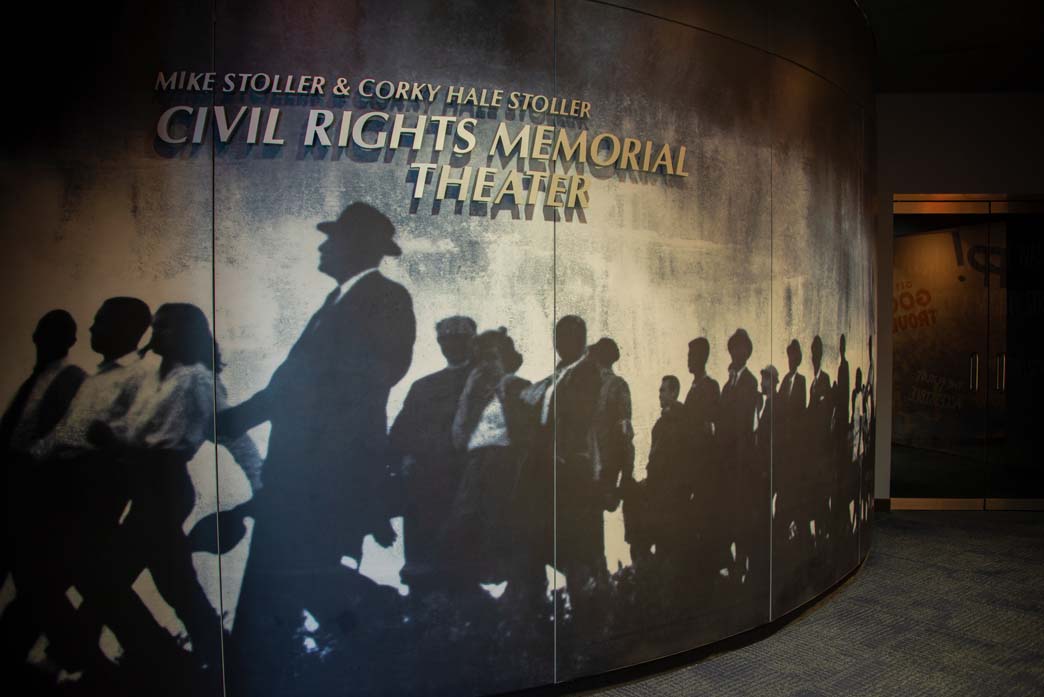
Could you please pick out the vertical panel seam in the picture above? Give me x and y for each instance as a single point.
(554, 372)
(214, 355)
(772, 325)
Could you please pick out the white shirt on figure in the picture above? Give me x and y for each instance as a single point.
(560, 374)
(492, 427)
(347, 285)
(175, 412)
(104, 396)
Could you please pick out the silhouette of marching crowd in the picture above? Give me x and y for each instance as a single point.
(496, 480)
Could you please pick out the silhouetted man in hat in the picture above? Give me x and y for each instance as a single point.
(326, 473)
(422, 443)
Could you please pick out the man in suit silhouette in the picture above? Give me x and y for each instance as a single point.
(33, 534)
(820, 417)
(793, 393)
(820, 405)
(563, 468)
(430, 467)
(739, 402)
(747, 483)
(700, 414)
(790, 464)
(42, 399)
(701, 402)
(612, 435)
(326, 482)
(671, 481)
(842, 395)
(766, 429)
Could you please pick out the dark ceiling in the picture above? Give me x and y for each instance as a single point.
(957, 46)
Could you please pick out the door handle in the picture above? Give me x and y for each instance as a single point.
(973, 372)
(1002, 372)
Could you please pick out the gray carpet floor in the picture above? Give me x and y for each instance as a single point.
(947, 603)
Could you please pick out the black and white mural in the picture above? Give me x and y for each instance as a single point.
(428, 348)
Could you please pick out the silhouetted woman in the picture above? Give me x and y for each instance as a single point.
(171, 416)
(481, 525)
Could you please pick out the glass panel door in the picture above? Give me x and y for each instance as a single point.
(940, 308)
(1016, 366)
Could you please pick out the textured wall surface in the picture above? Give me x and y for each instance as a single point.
(545, 528)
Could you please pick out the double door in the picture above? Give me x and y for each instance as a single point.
(968, 302)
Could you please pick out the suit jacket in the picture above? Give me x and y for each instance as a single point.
(422, 430)
(326, 471)
(571, 412)
(26, 420)
(558, 462)
(842, 397)
(766, 432)
(612, 434)
(790, 408)
(701, 413)
(739, 402)
(670, 472)
(820, 404)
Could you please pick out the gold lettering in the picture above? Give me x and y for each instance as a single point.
(416, 132)
(465, 133)
(484, 184)
(578, 195)
(542, 142)
(556, 186)
(512, 187)
(534, 186)
(445, 181)
(567, 152)
(664, 159)
(614, 151)
(507, 146)
(423, 168)
(631, 148)
(679, 169)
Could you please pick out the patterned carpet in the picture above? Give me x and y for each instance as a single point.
(948, 603)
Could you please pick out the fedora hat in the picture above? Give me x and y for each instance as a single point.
(365, 220)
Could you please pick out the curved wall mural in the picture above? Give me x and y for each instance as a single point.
(435, 348)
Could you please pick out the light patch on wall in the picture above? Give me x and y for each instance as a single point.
(160, 610)
(7, 593)
(383, 564)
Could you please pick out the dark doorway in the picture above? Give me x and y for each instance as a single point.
(968, 299)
